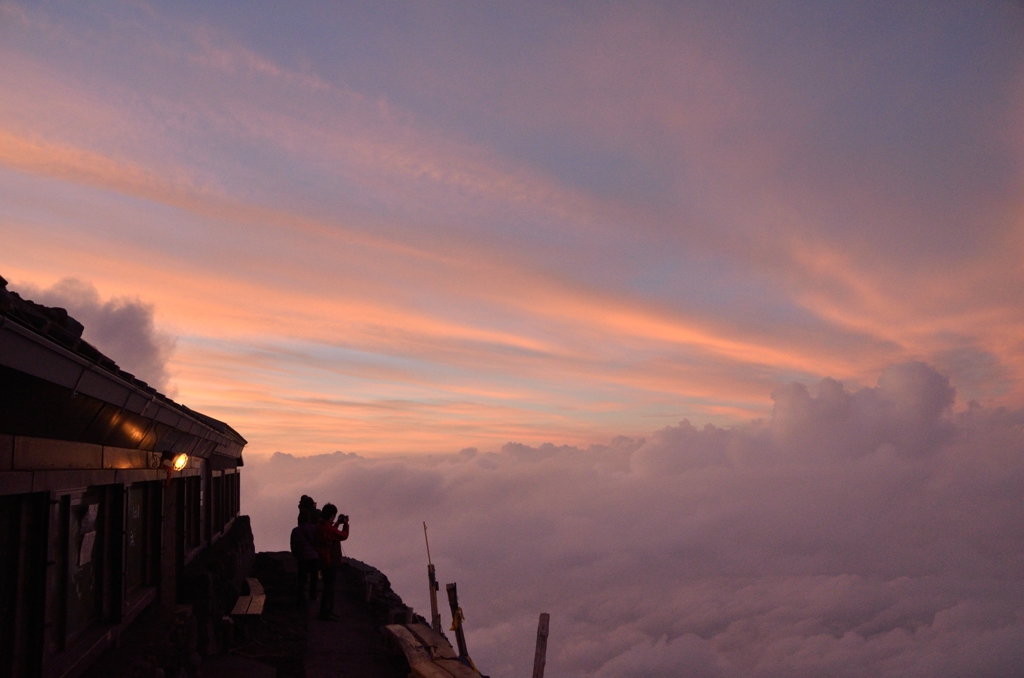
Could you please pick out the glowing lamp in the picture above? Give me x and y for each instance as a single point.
(176, 462)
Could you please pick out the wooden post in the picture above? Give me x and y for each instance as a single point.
(435, 614)
(460, 635)
(540, 656)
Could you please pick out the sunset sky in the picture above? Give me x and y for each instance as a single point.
(696, 324)
(429, 227)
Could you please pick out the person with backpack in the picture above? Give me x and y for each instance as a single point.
(303, 543)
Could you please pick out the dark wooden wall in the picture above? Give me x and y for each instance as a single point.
(77, 565)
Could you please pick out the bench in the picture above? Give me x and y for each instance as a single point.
(253, 603)
(246, 608)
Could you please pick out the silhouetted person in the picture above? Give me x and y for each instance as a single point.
(306, 503)
(328, 546)
(304, 549)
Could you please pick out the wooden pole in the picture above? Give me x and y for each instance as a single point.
(460, 635)
(540, 656)
(435, 615)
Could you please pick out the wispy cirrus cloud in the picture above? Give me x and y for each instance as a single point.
(631, 232)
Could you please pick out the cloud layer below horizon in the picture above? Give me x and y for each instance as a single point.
(868, 533)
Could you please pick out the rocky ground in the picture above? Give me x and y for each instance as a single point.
(287, 640)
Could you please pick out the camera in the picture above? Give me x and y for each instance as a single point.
(343, 518)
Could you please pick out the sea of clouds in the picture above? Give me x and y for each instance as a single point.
(869, 533)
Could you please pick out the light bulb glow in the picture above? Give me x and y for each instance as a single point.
(179, 461)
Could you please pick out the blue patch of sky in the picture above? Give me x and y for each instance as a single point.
(710, 284)
(909, 103)
(372, 48)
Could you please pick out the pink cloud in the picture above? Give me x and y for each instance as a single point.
(121, 327)
(858, 533)
(276, 214)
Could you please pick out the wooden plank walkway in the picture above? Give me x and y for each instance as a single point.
(429, 654)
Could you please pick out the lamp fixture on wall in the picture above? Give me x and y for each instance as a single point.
(173, 462)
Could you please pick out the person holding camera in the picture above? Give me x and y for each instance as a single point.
(329, 539)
